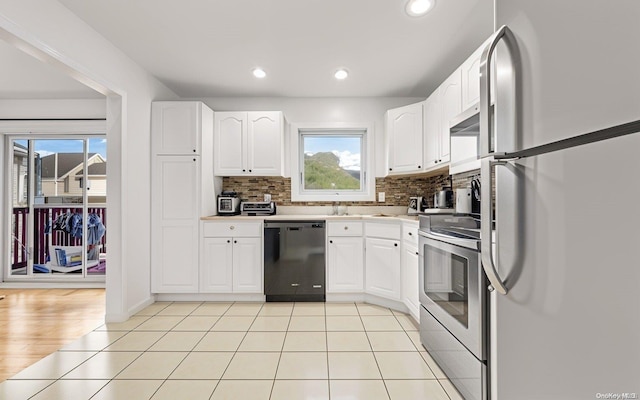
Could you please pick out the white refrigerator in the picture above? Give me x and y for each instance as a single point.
(566, 239)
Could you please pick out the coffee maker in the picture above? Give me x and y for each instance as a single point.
(417, 204)
(475, 196)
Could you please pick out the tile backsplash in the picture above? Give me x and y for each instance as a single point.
(397, 189)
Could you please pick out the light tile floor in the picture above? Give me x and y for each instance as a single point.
(277, 351)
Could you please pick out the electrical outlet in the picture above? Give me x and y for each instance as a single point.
(380, 197)
(267, 197)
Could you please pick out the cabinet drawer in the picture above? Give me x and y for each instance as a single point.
(344, 228)
(383, 230)
(233, 229)
(410, 234)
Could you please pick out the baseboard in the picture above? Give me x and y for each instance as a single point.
(52, 285)
(253, 297)
(142, 305)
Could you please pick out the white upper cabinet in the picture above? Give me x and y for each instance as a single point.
(249, 143)
(450, 98)
(404, 135)
(265, 143)
(230, 143)
(176, 127)
(432, 131)
(470, 71)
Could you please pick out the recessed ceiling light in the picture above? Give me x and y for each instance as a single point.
(341, 74)
(417, 8)
(259, 73)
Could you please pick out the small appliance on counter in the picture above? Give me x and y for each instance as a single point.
(443, 198)
(253, 208)
(463, 200)
(228, 203)
(475, 196)
(416, 205)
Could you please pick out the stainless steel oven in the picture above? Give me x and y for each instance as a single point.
(453, 310)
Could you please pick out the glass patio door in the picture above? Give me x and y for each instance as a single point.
(58, 208)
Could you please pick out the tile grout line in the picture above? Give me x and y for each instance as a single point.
(425, 361)
(103, 351)
(164, 381)
(384, 382)
(273, 383)
(239, 344)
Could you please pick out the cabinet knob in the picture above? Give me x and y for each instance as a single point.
(435, 162)
(232, 227)
(194, 150)
(194, 159)
(395, 244)
(346, 228)
(330, 241)
(390, 169)
(417, 253)
(419, 166)
(235, 241)
(410, 234)
(228, 241)
(244, 170)
(250, 170)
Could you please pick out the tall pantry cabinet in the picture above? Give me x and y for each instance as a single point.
(182, 190)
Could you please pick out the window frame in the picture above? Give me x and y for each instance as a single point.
(367, 178)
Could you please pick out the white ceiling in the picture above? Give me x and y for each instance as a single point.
(24, 77)
(207, 48)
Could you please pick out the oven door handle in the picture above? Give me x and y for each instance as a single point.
(486, 226)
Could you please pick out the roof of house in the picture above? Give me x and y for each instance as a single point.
(66, 163)
(99, 168)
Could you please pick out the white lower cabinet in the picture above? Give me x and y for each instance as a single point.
(383, 268)
(231, 264)
(247, 265)
(345, 264)
(217, 265)
(410, 284)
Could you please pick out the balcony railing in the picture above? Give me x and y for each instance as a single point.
(43, 216)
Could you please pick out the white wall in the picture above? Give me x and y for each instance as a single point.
(70, 44)
(62, 108)
(323, 110)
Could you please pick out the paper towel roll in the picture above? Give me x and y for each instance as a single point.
(463, 201)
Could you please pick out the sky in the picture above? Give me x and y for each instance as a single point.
(346, 148)
(44, 147)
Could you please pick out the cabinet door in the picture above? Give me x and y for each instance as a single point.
(216, 267)
(265, 143)
(345, 265)
(230, 143)
(450, 94)
(432, 131)
(404, 130)
(383, 268)
(174, 233)
(410, 286)
(247, 265)
(176, 127)
(470, 71)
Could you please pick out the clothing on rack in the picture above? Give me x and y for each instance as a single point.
(71, 223)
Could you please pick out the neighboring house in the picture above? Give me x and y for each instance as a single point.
(19, 175)
(62, 174)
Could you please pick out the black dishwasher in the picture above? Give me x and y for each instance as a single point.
(294, 260)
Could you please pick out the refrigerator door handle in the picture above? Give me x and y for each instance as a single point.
(487, 147)
(486, 226)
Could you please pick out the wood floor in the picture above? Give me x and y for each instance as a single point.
(36, 322)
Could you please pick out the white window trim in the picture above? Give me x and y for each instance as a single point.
(367, 176)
